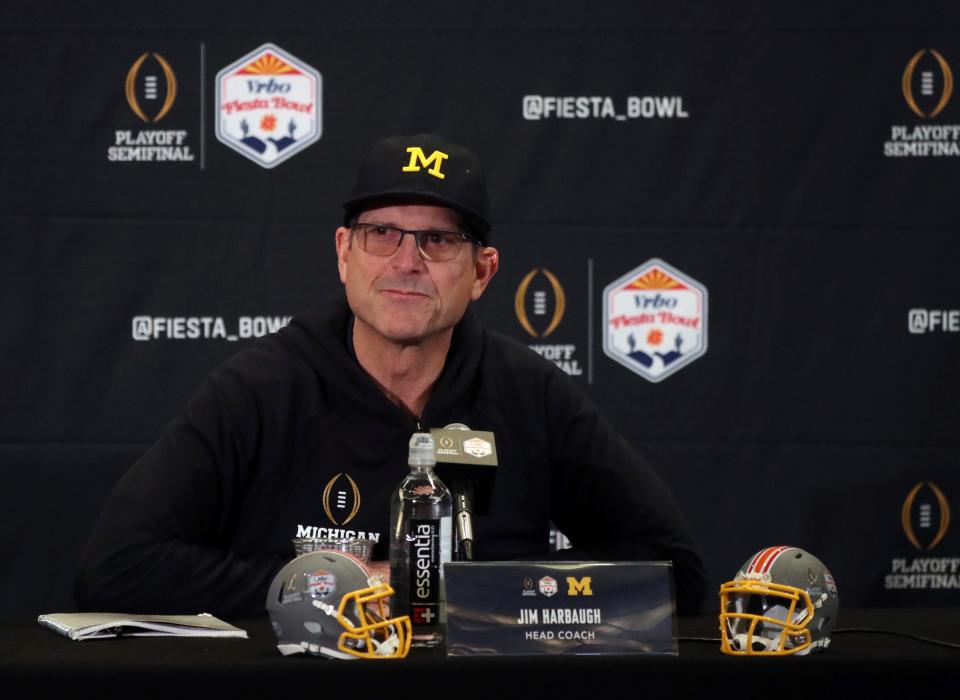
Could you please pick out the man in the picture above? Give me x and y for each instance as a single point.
(305, 432)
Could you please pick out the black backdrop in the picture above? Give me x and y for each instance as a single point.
(802, 168)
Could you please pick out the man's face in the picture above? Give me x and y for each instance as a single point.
(404, 298)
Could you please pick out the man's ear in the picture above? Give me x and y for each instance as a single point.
(343, 251)
(486, 266)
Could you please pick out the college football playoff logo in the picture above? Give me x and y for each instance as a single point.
(925, 515)
(927, 83)
(148, 98)
(533, 300)
(341, 503)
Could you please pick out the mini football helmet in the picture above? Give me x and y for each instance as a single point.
(328, 604)
(782, 601)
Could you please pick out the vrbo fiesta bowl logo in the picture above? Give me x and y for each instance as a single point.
(655, 320)
(268, 105)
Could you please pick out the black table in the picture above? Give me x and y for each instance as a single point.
(43, 664)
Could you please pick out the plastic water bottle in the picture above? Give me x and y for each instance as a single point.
(420, 539)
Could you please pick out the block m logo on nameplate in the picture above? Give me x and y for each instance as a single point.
(579, 586)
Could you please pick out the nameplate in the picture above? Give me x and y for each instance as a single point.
(464, 446)
(519, 608)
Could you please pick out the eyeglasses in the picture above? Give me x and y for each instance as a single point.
(384, 240)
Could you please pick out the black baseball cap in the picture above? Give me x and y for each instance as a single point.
(426, 169)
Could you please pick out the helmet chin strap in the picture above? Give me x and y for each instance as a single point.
(325, 607)
(387, 647)
(767, 644)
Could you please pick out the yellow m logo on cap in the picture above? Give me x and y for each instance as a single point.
(419, 161)
(579, 586)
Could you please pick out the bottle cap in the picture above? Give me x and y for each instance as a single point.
(421, 450)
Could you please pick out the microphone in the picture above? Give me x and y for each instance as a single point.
(466, 464)
(471, 486)
(463, 517)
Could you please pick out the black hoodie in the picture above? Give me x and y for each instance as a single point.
(291, 437)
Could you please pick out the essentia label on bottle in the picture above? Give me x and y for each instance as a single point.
(423, 539)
